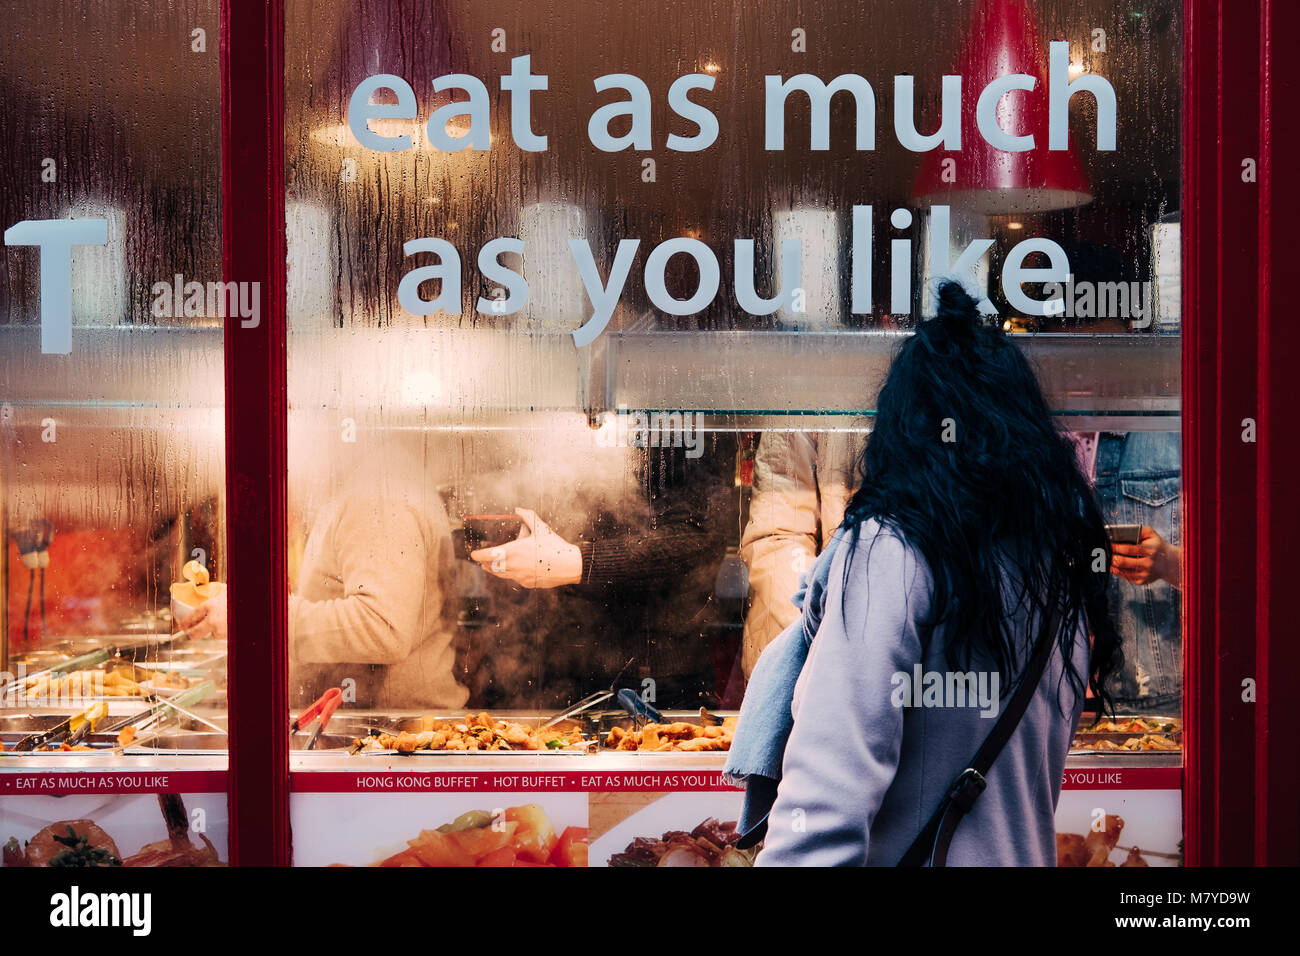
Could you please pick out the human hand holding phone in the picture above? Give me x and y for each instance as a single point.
(538, 559)
(1150, 559)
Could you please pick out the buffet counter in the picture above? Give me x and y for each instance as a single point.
(589, 805)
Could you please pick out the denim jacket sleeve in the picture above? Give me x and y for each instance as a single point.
(1139, 481)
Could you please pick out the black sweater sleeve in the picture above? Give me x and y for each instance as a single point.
(661, 552)
(684, 522)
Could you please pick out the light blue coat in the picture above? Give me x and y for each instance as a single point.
(864, 768)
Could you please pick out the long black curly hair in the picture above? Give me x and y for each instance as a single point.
(966, 464)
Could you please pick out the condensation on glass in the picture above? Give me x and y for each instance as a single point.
(474, 412)
(111, 450)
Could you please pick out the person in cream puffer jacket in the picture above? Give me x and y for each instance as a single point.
(802, 481)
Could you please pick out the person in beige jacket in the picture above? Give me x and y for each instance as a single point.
(370, 598)
(802, 481)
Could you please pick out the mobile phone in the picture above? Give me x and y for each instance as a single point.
(1124, 533)
(485, 531)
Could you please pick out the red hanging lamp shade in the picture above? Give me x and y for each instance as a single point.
(1003, 40)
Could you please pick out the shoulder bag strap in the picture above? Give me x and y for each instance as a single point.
(931, 845)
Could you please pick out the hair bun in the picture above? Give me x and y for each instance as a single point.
(958, 312)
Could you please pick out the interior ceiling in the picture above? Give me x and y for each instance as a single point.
(130, 65)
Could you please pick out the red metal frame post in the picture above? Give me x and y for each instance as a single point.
(1200, 81)
(1277, 766)
(253, 246)
(1239, 246)
(1218, 392)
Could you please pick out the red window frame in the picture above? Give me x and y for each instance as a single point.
(1240, 782)
(253, 250)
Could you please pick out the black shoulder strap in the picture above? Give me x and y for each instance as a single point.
(931, 845)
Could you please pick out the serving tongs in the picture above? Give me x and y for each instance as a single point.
(71, 731)
(588, 702)
(125, 652)
(312, 721)
(163, 711)
(708, 718)
(641, 712)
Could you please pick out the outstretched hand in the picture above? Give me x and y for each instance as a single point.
(538, 558)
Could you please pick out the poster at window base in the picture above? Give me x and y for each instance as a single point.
(114, 829)
(422, 829)
(683, 828)
(1114, 827)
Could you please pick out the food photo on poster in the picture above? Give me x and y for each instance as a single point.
(107, 830)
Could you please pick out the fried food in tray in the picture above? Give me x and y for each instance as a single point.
(1145, 743)
(1131, 735)
(679, 736)
(476, 732)
(116, 679)
(1136, 725)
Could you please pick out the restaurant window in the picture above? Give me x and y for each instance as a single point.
(111, 429)
(642, 321)
(579, 369)
(629, 423)
(588, 308)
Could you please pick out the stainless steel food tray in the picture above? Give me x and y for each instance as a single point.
(207, 742)
(608, 720)
(1084, 734)
(358, 725)
(8, 738)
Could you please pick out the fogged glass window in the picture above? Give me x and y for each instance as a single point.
(111, 304)
(429, 401)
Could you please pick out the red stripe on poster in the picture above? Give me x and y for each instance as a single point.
(1123, 778)
(496, 782)
(58, 783)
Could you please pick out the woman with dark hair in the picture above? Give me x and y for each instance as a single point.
(973, 533)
